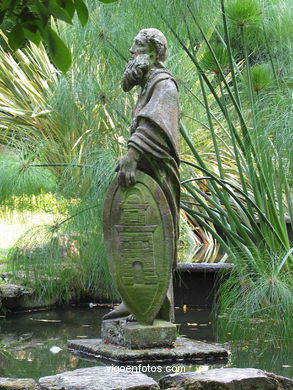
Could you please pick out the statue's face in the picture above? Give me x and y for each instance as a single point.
(139, 46)
(142, 58)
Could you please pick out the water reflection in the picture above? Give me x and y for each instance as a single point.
(35, 344)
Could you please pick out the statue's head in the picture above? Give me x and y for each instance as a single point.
(147, 51)
(153, 42)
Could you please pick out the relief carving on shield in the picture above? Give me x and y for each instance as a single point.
(139, 237)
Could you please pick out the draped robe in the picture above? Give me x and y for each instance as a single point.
(155, 134)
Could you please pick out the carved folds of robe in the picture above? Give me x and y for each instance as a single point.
(155, 133)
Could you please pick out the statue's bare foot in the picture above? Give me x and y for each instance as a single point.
(120, 311)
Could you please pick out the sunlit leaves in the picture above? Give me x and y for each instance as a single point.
(18, 179)
(32, 22)
(244, 13)
(108, 1)
(82, 11)
(59, 52)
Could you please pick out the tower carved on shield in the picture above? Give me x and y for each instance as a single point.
(136, 243)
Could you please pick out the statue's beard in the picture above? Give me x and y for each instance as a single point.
(135, 71)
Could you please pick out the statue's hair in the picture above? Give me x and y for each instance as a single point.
(158, 40)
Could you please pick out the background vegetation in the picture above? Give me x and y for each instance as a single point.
(64, 133)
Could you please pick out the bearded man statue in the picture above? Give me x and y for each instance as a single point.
(153, 145)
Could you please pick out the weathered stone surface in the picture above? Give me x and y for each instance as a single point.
(16, 297)
(184, 350)
(8, 290)
(98, 378)
(227, 379)
(12, 294)
(204, 267)
(141, 213)
(17, 384)
(139, 235)
(136, 336)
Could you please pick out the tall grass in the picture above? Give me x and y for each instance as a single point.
(76, 126)
(67, 259)
(246, 212)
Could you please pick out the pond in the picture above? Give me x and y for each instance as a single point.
(34, 344)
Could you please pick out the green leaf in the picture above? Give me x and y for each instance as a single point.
(108, 1)
(58, 12)
(2, 15)
(82, 11)
(16, 37)
(8, 4)
(43, 12)
(59, 52)
(32, 34)
(27, 15)
(70, 8)
(31, 31)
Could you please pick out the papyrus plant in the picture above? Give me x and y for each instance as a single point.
(249, 213)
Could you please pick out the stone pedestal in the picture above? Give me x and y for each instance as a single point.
(183, 351)
(133, 335)
(130, 342)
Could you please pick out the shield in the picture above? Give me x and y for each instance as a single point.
(139, 237)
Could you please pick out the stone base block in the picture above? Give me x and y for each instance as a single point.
(183, 350)
(133, 335)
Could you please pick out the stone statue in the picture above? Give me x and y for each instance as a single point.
(153, 148)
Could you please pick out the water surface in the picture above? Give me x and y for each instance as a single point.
(29, 342)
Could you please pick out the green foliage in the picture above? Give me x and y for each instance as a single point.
(261, 77)
(26, 79)
(245, 201)
(244, 13)
(237, 160)
(44, 202)
(256, 301)
(208, 62)
(32, 22)
(17, 179)
(67, 259)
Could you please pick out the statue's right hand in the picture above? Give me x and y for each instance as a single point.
(127, 167)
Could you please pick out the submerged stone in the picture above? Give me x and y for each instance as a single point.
(137, 336)
(227, 379)
(98, 378)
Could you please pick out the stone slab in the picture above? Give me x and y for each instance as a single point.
(98, 378)
(17, 384)
(204, 267)
(137, 336)
(184, 350)
(227, 379)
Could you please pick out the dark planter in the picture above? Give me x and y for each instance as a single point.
(195, 283)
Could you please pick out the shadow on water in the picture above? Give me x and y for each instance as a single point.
(34, 344)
